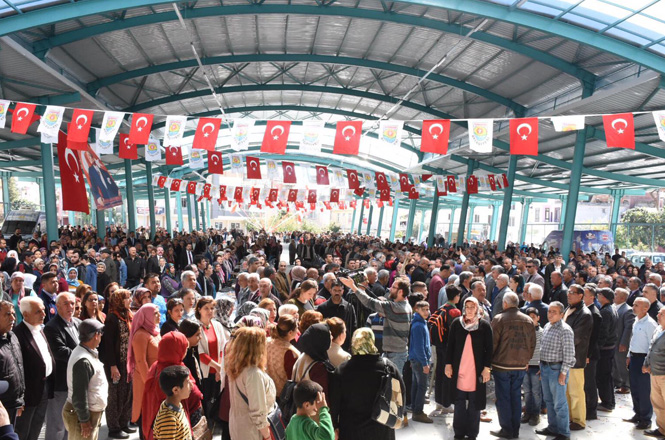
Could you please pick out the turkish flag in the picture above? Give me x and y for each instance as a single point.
(619, 130)
(79, 146)
(161, 181)
(352, 177)
(381, 182)
(74, 194)
(139, 133)
(289, 171)
(293, 195)
(79, 128)
(205, 137)
(334, 195)
(237, 194)
(126, 149)
(215, 164)
(191, 188)
(359, 191)
(347, 137)
(384, 195)
(472, 184)
(366, 202)
(311, 196)
(174, 156)
(352, 204)
(22, 118)
(505, 181)
(175, 184)
(341, 205)
(452, 185)
(327, 205)
(322, 175)
(206, 191)
(272, 195)
(379, 204)
(524, 136)
(276, 137)
(425, 177)
(222, 193)
(413, 193)
(434, 136)
(442, 192)
(404, 184)
(254, 196)
(492, 182)
(253, 167)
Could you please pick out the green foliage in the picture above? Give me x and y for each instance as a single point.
(15, 199)
(334, 227)
(641, 230)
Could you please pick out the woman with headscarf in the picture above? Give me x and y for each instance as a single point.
(141, 297)
(142, 352)
(169, 281)
(244, 309)
(354, 387)
(468, 361)
(313, 363)
(16, 291)
(172, 351)
(113, 353)
(223, 312)
(72, 279)
(103, 279)
(262, 314)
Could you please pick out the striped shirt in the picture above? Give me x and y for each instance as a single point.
(171, 423)
(535, 360)
(558, 345)
(396, 324)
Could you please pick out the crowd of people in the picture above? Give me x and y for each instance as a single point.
(207, 333)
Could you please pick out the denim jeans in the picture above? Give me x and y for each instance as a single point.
(508, 386)
(533, 395)
(418, 387)
(398, 358)
(554, 394)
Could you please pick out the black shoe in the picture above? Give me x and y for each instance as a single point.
(129, 429)
(602, 407)
(118, 434)
(576, 426)
(653, 433)
(525, 418)
(561, 437)
(546, 431)
(633, 419)
(643, 425)
(502, 434)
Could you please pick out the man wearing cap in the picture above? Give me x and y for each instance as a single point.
(39, 365)
(87, 387)
(111, 267)
(11, 362)
(62, 336)
(49, 293)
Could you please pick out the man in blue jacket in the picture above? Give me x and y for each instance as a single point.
(419, 355)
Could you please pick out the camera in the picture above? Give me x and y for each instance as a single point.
(358, 276)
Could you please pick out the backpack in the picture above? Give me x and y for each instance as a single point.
(439, 323)
(286, 403)
(275, 420)
(390, 402)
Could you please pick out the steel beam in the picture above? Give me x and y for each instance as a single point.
(362, 213)
(380, 225)
(203, 216)
(525, 219)
(470, 224)
(452, 224)
(433, 218)
(495, 220)
(167, 210)
(573, 193)
(151, 201)
(196, 213)
(471, 165)
(49, 192)
(369, 218)
(353, 220)
(178, 200)
(616, 206)
(393, 225)
(101, 222)
(131, 206)
(507, 202)
(190, 217)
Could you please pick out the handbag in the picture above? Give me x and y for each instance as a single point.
(201, 430)
(277, 425)
(390, 403)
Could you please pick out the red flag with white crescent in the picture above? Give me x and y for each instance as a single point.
(206, 191)
(472, 184)
(175, 184)
(222, 193)
(311, 196)
(191, 188)
(79, 128)
(434, 136)
(353, 204)
(322, 175)
(359, 191)
(22, 118)
(126, 149)
(272, 195)
(276, 137)
(524, 136)
(215, 163)
(619, 130)
(254, 196)
(139, 133)
(293, 195)
(327, 205)
(413, 193)
(384, 195)
(492, 181)
(381, 182)
(74, 194)
(237, 194)
(289, 171)
(205, 137)
(334, 195)
(505, 180)
(161, 181)
(352, 177)
(347, 137)
(404, 183)
(452, 184)
(174, 156)
(425, 177)
(253, 167)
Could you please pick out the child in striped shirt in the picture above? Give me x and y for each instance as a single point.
(171, 422)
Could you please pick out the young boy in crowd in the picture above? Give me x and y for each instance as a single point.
(533, 394)
(310, 401)
(171, 422)
(420, 356)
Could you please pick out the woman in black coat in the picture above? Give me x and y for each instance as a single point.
(468, 362)
(354, 388)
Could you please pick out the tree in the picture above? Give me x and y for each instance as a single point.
(641, 230)
(15, 200)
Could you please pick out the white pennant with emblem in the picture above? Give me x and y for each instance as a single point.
(50, 122)
(174, 130)
(153, 151)
(4, 106)
(110, 126)
(240, 134)
(311, 136)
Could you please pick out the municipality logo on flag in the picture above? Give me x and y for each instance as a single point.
(480, 132)
(111, 124)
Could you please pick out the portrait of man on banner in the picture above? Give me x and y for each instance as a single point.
(104, 189)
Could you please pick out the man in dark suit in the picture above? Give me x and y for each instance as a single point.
(186, 257)
(558, 290)
(11, 362)
(62, 336)
(420, 273)
(591, 368)
(39, 365)
(624, 330)
(49, 293)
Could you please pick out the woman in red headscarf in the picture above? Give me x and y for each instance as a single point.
(172, 350)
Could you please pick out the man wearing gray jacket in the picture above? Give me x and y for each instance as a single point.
(624, 330)
(654, 363)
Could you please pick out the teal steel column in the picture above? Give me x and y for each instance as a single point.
(353, 220)
(470, 222)
(421, 226)
(507, 202)
(495, 221)
(151, 200)
(72, 218)
(433, 218)
(465, 206)
(190, 218)
(573, 192)
(101, 223)
(616, 205)
(49, 192)
(563, 211)
(40, 184)
(393, 225)
(196, 213)
(93, 211)
(131, 206)
(6, 202)
(409, 221)
(124, 210)
(203, 216)
(525, 220)
(167, 210)
(379, 227)
(362, 213)
(369, 219)
(452, 224)
(209, 216)
(178, 201)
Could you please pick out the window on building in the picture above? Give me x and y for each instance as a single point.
(547, 215)
(536, 215)
(557, 215)
(511, 221)
(476, 218)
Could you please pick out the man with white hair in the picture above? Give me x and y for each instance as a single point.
(251, 290)
(536, 294)
(655, 279)
(375, 287)
(497, 302)
(265, 291)
(188, 281)
(326, 289)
